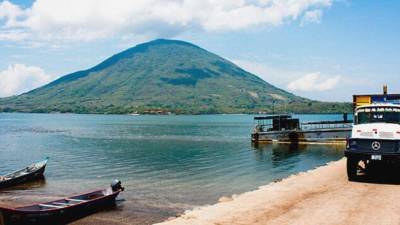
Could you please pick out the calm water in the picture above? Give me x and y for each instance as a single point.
(166, 163)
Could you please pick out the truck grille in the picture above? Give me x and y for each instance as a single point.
(385, 145)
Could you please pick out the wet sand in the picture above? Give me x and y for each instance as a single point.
(320, 196)
(126, 213)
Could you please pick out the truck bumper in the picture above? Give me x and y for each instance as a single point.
(367, 155)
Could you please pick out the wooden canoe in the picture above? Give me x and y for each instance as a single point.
(60, 211)
(30, 173)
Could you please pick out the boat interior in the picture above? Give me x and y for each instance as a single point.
(67, 202)
(24, 171)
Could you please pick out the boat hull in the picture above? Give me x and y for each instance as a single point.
(335, 135)
(36, 175)
(56, 216)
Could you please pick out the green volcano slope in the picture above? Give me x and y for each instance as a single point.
(164, 76)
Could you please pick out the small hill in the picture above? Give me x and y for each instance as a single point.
(163, 76)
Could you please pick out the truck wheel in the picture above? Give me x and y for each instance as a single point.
(352, 164)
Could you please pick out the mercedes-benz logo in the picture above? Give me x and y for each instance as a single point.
(376, 145)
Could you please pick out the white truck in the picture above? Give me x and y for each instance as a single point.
(375, 137)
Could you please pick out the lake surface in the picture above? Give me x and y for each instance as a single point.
(167, 163)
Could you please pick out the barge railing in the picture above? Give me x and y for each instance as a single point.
(326, 125)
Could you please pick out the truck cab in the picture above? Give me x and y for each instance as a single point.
(375, 135)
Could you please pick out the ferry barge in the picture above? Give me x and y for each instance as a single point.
(286, 129)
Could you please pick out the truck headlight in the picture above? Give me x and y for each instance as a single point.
(351, 144)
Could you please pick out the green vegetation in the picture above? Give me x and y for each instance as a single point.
(164, 76)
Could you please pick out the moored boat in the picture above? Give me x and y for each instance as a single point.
(30, 173)
(63, 210)
(285, 129)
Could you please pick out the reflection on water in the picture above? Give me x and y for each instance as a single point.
(166, 163)
(282, 151)
(286, 159)
(31, 185)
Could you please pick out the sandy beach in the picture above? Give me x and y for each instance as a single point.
(320, 196)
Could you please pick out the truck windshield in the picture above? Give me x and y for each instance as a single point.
(378, 115)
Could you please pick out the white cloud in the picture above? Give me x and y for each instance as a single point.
(313, 16)
(273, 75)
(329, 88)
(314, 82)
(13, 35)
(11, 13)
(76, 20)
(20, 78)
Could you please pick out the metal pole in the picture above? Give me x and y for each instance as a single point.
(273, 106)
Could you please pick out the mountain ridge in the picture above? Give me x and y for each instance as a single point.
(163, 76)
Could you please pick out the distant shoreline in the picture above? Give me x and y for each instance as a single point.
(172, 114)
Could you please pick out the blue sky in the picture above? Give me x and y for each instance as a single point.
(320, 49)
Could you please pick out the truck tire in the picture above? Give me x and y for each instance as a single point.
(352, 164)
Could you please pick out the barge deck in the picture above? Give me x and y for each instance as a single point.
(285, 129)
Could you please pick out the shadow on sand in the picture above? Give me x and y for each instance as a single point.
(74, 217)
(380, 173)
(37, 183)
